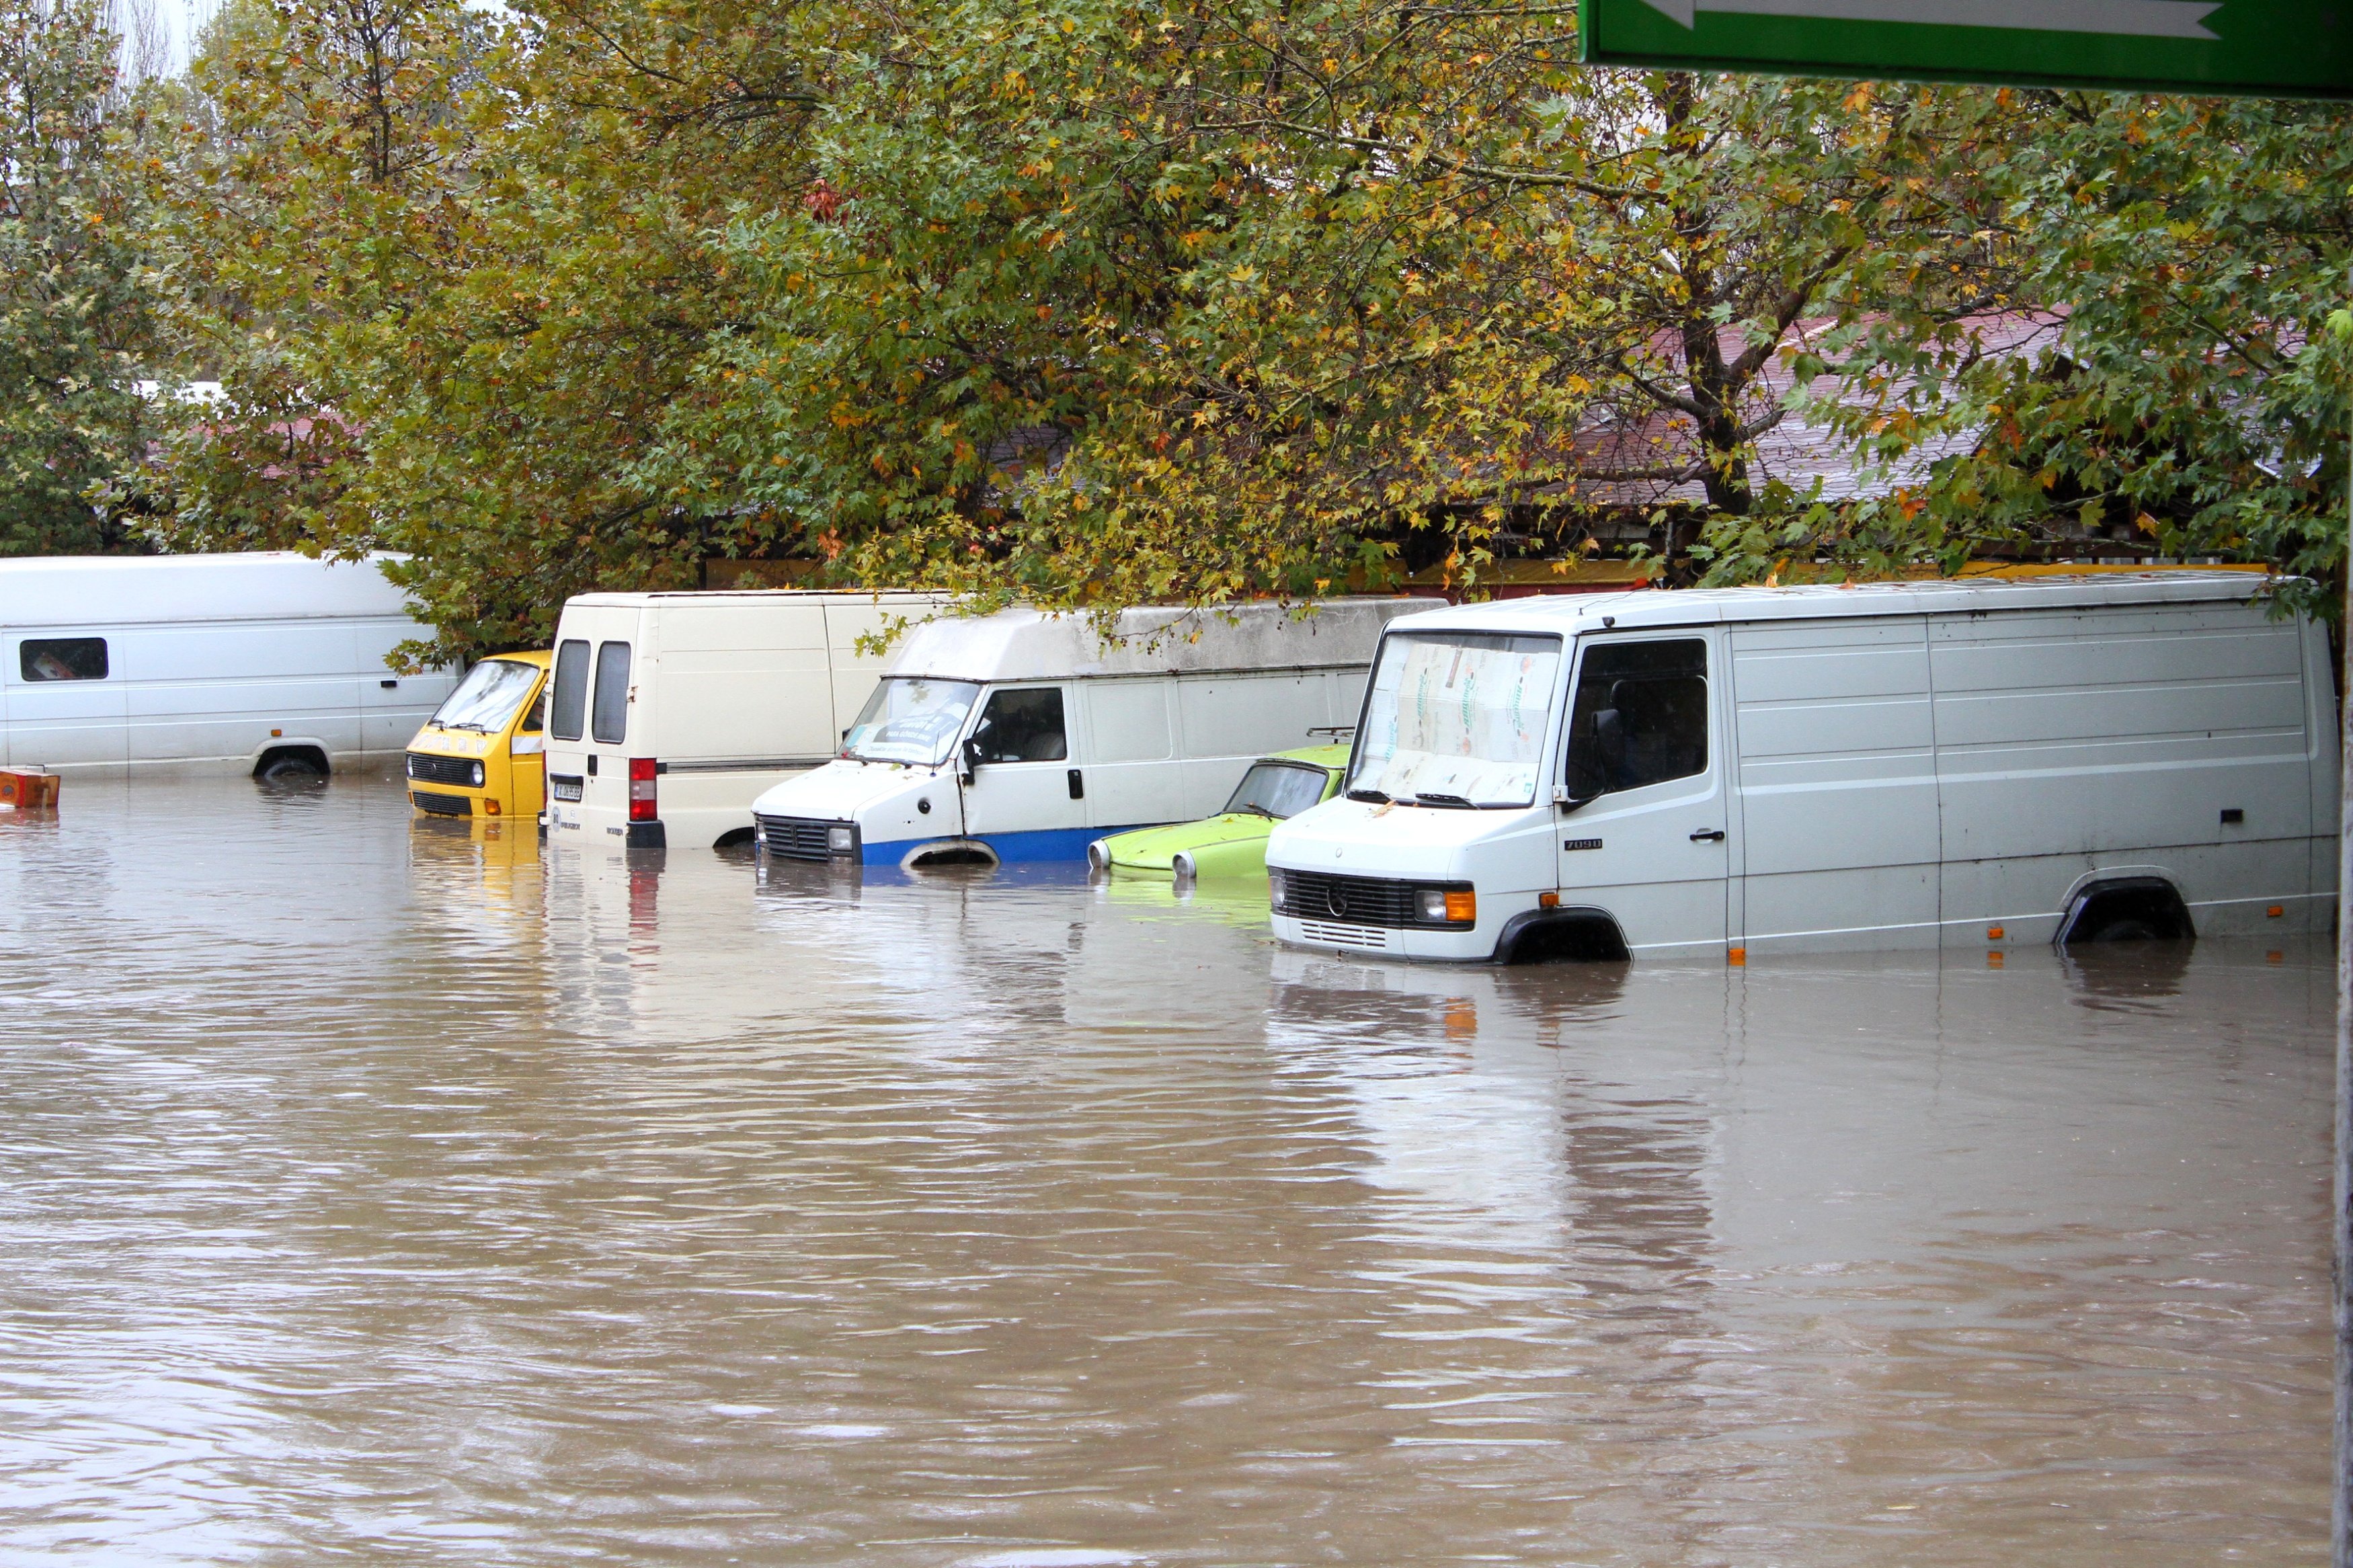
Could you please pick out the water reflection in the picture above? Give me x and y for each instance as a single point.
(412, 1193)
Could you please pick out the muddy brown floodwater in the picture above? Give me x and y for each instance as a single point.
(379, 1193)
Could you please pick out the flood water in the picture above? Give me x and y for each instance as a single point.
(380, 1193)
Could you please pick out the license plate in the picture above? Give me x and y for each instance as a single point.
(565, 785)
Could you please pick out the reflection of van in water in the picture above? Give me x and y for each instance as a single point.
(669, 712)
(482, 753)
(264, 663)
(1021, 736)
(1900, 764)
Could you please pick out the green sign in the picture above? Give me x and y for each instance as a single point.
(2286, 49)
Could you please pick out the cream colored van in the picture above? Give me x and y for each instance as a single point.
(670, 714)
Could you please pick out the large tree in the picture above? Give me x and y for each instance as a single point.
(75, 288)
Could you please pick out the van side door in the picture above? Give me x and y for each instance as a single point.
(1646, 756)
(1026, 779)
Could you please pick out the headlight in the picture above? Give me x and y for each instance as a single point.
(1275, 887)
(1442, 906)
(1181, 866)
(478, 775)
(840, 840)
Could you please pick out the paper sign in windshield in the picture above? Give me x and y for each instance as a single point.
(1468, 722)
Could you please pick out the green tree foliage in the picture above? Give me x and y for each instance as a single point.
(2185, 255)
(1099, 300)
(74, 284)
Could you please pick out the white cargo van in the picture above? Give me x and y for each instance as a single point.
(263, 663)
(1022, 736)
(1746, 770)
(669, 713)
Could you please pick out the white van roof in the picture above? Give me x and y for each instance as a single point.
(145, 590)
(1568, 615)
(1038, 645)
(724, 596)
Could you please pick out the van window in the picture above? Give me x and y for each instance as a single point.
(63, 658)
(1640, 718)
(536, 719)
(1022, 726)
(571, 704)
(609, 721)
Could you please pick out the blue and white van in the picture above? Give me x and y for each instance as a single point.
(1024, 735)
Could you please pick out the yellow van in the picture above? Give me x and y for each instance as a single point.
(484, 750)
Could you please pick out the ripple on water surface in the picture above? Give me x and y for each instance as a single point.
(395, 1194)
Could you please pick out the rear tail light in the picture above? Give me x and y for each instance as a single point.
(643, 806)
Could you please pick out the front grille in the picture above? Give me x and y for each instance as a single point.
(1344, 936)
(795, 838)
(426, 768)
(442, 804)
(1355, 900)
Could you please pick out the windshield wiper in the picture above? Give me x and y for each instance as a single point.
(1451, 802)
(477, 729)
(1251, 808)
(1376, 796)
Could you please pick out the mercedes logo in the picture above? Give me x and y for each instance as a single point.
(1337, 902)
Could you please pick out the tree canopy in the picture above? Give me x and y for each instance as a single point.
(1098, 302)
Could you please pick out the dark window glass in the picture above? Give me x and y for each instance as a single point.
(609, 722)
(1278, 789)
(571, 705)
(1640, 716)
(63, 658)
(1022, 727)
(533, 720)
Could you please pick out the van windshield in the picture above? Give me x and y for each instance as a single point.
(911, 719)
(490, 695)
(1456, 718)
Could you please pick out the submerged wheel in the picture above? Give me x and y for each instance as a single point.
(291, 767)
(2126, 927)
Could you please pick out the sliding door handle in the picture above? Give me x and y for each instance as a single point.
(1708, 835)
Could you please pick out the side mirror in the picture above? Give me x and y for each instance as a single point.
(970, 756)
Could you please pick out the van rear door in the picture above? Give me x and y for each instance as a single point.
(65, 702)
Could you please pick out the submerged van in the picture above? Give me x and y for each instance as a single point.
(483, 752)
(268, 663)
(1022, 736)
(1902, 765)
(669, 713)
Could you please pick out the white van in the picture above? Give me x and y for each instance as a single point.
(1022, 736)
(1738, 769)
(264, 663)
(669, 713)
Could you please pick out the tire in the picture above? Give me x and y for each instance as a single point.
(291, 769)
(2126, 927)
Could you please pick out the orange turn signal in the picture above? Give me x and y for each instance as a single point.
(1993, 934)
(2276, 911)
(1547, 901)
(1738, 957)
(1461, 906)
(490, 808)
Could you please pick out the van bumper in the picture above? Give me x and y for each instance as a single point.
(1474, 945)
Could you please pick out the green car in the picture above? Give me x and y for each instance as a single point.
(1234, 842)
